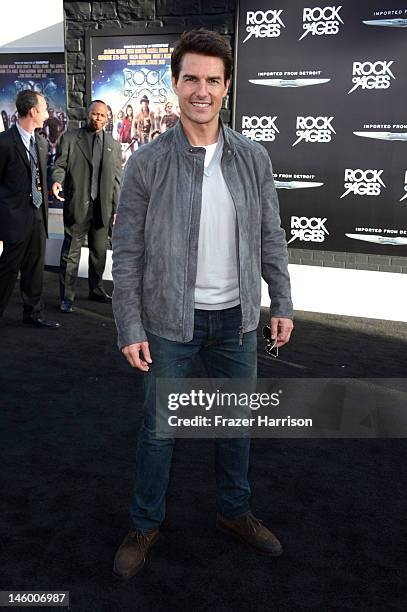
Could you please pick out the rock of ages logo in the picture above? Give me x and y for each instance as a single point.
(264, 24)
(260, 129)
(314, 129)
(319, 21)
(372, 75)
(308, 229)
(363, 182)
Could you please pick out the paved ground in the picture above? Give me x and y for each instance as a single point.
(70, 411)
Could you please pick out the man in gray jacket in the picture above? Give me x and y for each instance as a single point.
(197, 227)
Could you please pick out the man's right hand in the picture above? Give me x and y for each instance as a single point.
(56, 188)
(132, 354)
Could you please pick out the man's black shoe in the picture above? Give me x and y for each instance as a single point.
(39, 322)
(66, 306)
(252, 531)
(100, 295)
(133, 551)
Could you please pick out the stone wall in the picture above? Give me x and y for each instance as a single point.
(82, 17)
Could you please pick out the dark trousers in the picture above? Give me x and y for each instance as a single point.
(26, 257)
(216, 342)
(74, 237)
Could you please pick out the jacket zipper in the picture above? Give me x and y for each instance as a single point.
(188, 248)
(238, 260)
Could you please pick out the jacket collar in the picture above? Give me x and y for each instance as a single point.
(20, 146)
(84, 144)
(183, 144)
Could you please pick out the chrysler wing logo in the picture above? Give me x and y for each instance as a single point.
(296, 184)
(399, 241)
(383, 135)
(389, 23)
(288, 82)
(404, 197)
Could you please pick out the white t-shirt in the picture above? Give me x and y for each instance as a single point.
(217, 280)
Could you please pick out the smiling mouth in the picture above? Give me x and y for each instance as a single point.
(201, 104)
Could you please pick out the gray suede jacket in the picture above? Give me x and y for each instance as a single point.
(155, 237)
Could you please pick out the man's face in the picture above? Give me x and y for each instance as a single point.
(97, 117)
(39, 112)
(168, 109)
(200, 87)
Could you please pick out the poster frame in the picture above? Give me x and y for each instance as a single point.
(141, 29)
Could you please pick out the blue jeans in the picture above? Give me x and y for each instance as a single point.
(216, 341)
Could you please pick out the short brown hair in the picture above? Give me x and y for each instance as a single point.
(26, 100)
(203, 42)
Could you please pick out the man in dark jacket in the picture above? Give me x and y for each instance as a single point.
(88, 169)
(24, 207)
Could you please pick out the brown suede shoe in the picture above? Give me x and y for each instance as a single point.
(252, 531)
(132, 552)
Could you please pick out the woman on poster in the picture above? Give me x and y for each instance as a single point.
(124, 131)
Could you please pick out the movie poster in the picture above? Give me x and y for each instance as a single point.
(132, 75)
(42, 72)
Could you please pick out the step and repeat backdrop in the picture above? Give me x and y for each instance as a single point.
(324, 87)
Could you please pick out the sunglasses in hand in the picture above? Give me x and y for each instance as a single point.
(271, 347)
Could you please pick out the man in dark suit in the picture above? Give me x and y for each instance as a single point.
(24, 208)
(88, 169)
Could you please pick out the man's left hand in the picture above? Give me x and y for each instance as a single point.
(281, 329)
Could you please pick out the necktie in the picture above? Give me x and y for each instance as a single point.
(96, 160)
(36, 195)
